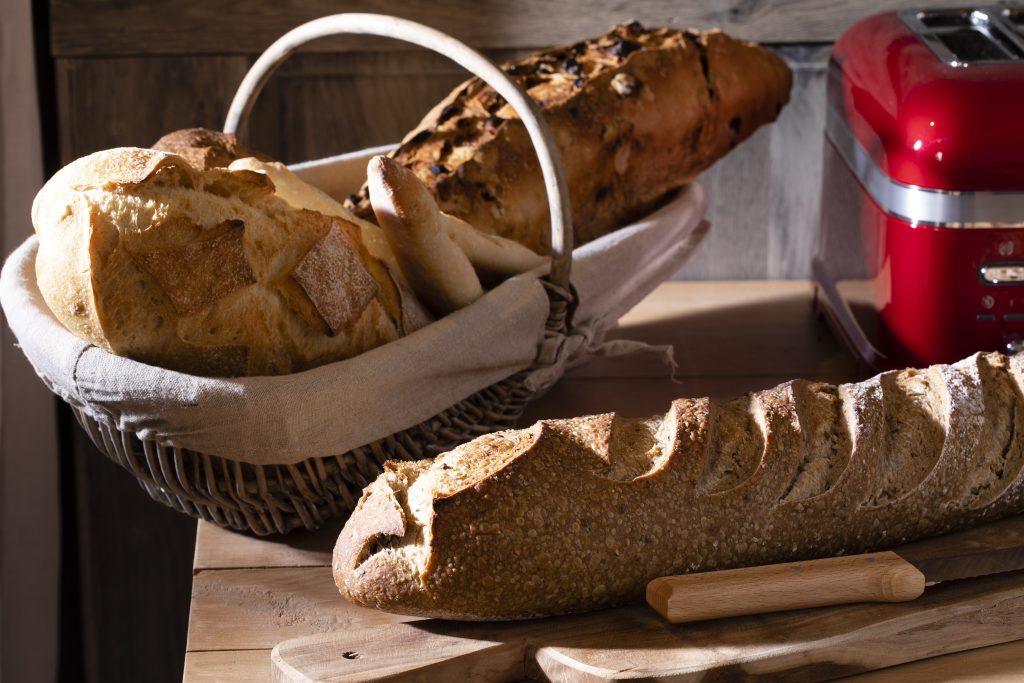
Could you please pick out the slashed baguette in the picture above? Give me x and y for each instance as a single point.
(572, 515)
(635, 113)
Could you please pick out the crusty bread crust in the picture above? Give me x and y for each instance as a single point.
(635, 113)
(572, 515)
(296, 192)
(204, 149)
(205, 271)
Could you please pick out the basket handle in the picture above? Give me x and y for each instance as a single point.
(471, 60)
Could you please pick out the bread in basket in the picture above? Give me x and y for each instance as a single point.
(272, 453)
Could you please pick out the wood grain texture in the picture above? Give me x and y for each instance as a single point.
(251, 609)
(231, 666)
(310, 115)
(995, 664)
(104, 103)
(874, 577)
(225, 27)
(220, 548)
(634, 643)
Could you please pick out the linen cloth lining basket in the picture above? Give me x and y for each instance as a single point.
(244, 453)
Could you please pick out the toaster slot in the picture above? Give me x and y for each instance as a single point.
(946, 19)
(964, 37)
(970, 46)
(1014, 17)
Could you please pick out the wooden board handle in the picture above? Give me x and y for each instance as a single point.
(876, 577)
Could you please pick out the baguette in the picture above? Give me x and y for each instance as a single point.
(572, 515)
(635, 114)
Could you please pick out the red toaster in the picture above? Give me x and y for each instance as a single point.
(921, 253)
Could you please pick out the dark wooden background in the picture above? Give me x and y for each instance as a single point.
(123, 73)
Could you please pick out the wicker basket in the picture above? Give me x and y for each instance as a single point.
(227, 488)
(270, 499)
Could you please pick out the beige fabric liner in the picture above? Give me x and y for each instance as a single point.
(340, 406)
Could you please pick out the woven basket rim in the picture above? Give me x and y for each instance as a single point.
(53, 350)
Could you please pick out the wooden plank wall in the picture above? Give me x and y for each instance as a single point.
(126, 72)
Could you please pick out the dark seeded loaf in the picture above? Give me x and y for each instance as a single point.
(636, 113)
(573, 515)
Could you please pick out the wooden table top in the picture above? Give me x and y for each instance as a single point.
(249, 594)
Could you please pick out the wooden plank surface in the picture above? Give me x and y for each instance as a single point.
(237, 666)
(635, 643)
(226, 27)
(996, 664)
(248, 609)
(780, 336)
(252, 609)
(95, 97)
(220, 548)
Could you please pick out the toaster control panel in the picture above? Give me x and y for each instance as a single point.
(962, 37)
(1001, 273)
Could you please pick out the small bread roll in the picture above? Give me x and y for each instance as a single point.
(438, 270)
(204, 149)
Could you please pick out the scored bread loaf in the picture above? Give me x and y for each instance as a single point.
(578, 514)
(206, 271)
(635, 114)
(204, 149)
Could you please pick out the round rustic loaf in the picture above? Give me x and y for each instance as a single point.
(206, 271)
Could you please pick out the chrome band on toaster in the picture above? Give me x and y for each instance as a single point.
(918, 205)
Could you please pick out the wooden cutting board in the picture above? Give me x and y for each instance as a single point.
(633, 643)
